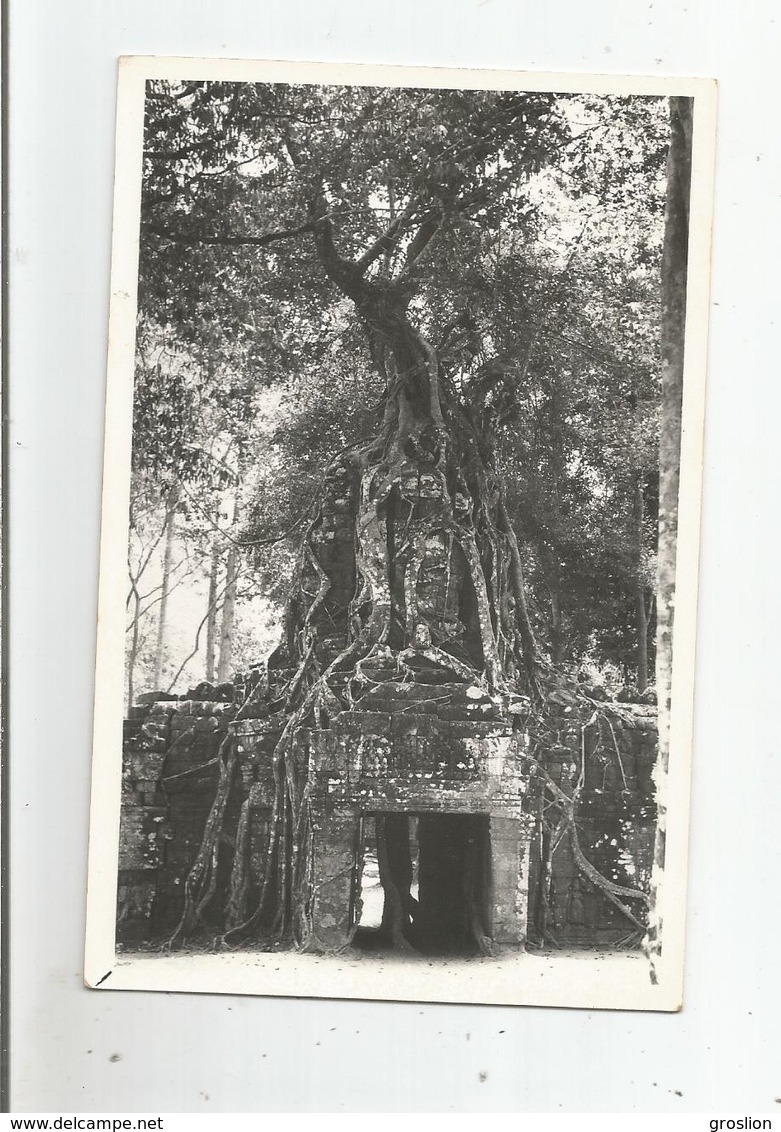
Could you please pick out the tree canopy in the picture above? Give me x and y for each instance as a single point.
(314, 259)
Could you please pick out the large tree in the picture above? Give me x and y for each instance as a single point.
(296, 227)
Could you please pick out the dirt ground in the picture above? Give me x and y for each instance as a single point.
(597, 979)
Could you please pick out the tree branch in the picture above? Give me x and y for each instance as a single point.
(343, 272)
(385, 243)
(422, 238)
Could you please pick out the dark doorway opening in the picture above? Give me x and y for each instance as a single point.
(426, 883)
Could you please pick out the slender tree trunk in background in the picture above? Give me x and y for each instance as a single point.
(211, 620)
(228, 618)
(559, 460)
(228, 608)
(211, 611)
(642, 638)
(674, 265)
(388, 259)
(170, 521)
(552, 575)
(556, 639)
(131, 660)
(640, 606)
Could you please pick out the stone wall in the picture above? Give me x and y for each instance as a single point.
(615, 755)
(169, 774)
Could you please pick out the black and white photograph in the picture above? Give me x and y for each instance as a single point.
(400, 527)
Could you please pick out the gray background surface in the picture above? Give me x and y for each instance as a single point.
(85, 1051)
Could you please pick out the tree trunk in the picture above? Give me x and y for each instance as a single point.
(556, 637)
(395, 866)
(131, 660)
(642, 638)
(228, 607)
(640, 606)
(170, 521)
(558, 460)
(674, 268)
(211, 613)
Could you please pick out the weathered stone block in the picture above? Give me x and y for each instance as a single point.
(509, 874)
(140, 833)
(335, 848)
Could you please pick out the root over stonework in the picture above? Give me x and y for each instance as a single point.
(409, 560)
(409, 557)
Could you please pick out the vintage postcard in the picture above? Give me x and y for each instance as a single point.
(400, 527)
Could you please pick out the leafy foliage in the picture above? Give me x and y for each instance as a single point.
(521, 232)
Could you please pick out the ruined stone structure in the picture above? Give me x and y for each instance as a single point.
(447, 755)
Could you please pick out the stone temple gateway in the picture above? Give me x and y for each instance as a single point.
(440, 767)
(457, 770)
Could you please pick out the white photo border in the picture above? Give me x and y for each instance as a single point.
(613, 984)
